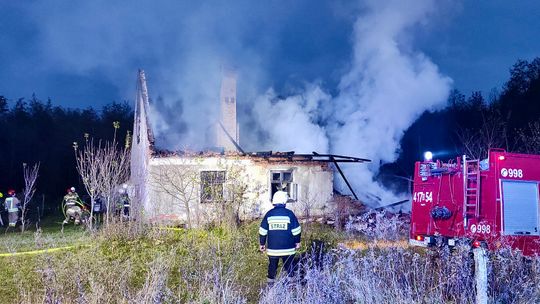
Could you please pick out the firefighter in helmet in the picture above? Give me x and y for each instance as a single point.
(279, 235)
(12, 205)
(72, 206)
(123, 204)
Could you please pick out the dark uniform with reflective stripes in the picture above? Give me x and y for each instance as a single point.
(12, 205)
(280, 231)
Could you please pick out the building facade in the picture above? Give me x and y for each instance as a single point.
(196, 188)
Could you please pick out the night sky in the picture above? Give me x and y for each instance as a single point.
(87, 53)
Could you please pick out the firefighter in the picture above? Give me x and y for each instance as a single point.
(99, 205)
(12, 205)
(72, 206)
(279, 236)
(1, 209)
(123, 204)
(99, 208)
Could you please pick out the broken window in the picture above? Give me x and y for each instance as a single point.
(212, 186)
(280, 179)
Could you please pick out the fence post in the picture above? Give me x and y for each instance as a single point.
(480, 274)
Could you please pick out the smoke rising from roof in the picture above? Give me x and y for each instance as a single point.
(382, 88)
(387, 87)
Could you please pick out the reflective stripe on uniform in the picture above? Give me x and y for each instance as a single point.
(13, 210)
(9, 203)
(296, 231)
(279, 220)
(280, 252)
(263, 231)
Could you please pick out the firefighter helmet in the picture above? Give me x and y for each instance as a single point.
(280, 198)
(11, 192)
(72, 189)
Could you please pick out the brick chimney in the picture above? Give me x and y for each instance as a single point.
(227, 127)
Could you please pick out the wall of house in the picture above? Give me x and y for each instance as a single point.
(140, 148)
(174, 185)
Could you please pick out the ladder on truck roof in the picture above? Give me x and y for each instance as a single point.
(471, 189)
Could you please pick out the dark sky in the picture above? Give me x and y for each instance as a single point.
(82, 53)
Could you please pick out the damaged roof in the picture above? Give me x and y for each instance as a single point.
(270, 156)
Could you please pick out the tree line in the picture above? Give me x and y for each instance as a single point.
(36, 131)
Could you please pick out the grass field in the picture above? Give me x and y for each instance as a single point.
(126, 264)
(136, 264)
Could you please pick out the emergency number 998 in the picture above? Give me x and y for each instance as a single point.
(481, 228)
(517, 173)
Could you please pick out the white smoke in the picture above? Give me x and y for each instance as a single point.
(388, 86)
(290, 123)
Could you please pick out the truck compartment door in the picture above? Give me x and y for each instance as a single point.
(520, 207)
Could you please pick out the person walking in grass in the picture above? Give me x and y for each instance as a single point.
(279, 236)
(12, 205)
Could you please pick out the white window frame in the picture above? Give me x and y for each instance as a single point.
(292, 190)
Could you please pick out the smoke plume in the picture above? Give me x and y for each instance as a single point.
(388, 86)
(356, 102)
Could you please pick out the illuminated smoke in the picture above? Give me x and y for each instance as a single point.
(386, 86)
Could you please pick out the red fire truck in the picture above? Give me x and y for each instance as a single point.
(492, 202)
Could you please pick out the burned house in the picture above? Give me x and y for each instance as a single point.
(197, 187)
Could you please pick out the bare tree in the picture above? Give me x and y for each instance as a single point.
(236, 187)
(306, 203)
(529, 138)
(179, 179)
(216, 192)
(103, 167)
(113, 171)
(30, 175)
(88, 164)
(491, 134)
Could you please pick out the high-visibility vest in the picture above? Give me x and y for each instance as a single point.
(71, 199)
(12, 204)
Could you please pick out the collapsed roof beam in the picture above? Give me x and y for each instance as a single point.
(356, 159)
(315, 157)
(343, 176)
(232, 139)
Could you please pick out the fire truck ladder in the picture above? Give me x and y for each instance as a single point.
(471, 188)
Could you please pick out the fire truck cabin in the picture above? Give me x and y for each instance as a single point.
(492, 202)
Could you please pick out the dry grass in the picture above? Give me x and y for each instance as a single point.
(381, 269)
(135, 264)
